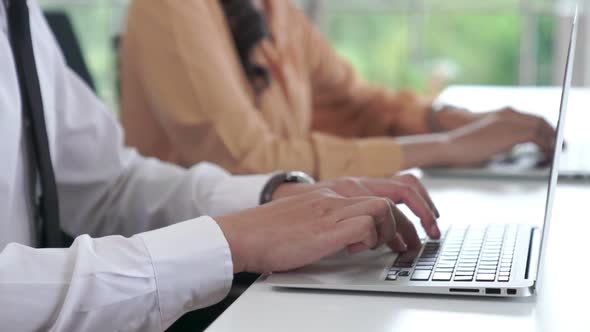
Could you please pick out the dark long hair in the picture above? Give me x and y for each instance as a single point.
(248, 27)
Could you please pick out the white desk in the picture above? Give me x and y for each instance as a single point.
(562, 297)
(560, 305)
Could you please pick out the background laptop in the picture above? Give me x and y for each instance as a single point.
(488, 260)
(524, 160)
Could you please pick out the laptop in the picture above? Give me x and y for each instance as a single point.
(479, 260)
(525, 161)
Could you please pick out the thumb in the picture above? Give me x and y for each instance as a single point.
(356, 234)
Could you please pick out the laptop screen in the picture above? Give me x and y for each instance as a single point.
(567, 82)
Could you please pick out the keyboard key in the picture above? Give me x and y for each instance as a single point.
(427, 259)
(463, 278)
(486, 277)
(404, 274)
(407, 257)
(467, 263)
(429, 256)
(504, 269)
(391, 277)
(425, 264)
(421, 275)
(468, 260)
(503, 278)
(480, 271)
(473, 252)
(490, 256)
(488, 264)
(488, 260)
(487, 267)
(450, 252)
(441, 276)
(464, 273)
(466, 266)
(429, 267)
(448, 259)
(504, 274)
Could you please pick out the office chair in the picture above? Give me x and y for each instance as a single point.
(62, 28)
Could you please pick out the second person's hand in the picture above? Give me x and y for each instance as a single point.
(498, 132)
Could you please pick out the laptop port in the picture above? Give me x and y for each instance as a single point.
(511, 291)
(464, 290)
(495, 291)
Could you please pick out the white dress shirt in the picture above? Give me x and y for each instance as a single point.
(115, 283)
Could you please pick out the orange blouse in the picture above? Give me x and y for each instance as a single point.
(186, 99)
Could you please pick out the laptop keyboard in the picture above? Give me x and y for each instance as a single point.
(468, 253)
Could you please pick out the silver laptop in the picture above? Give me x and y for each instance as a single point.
(525, 161)
(488, 260)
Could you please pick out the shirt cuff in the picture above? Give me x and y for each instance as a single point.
(236, 193)
(192, 266)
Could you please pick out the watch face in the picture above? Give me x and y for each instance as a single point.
(298, 177)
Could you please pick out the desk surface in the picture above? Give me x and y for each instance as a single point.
(560, 303)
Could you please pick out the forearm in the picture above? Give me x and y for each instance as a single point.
(115, 283)
(148, 194)
(447, 118)
(425, 150)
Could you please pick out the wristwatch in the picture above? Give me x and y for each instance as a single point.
(281, 178)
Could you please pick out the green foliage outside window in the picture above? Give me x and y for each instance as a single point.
(463, 47)
(396, 49)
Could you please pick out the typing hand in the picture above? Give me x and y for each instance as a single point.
(496, 133)
(299, 230)
(401, 189)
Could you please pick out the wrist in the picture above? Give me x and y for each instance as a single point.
(425, 150)
(227, 225)
(290, 189)
(277, 187)
(446, 117)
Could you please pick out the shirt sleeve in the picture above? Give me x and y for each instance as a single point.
(142, 283)
(178, 42)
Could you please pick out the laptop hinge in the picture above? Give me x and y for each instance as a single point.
(533, 255)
